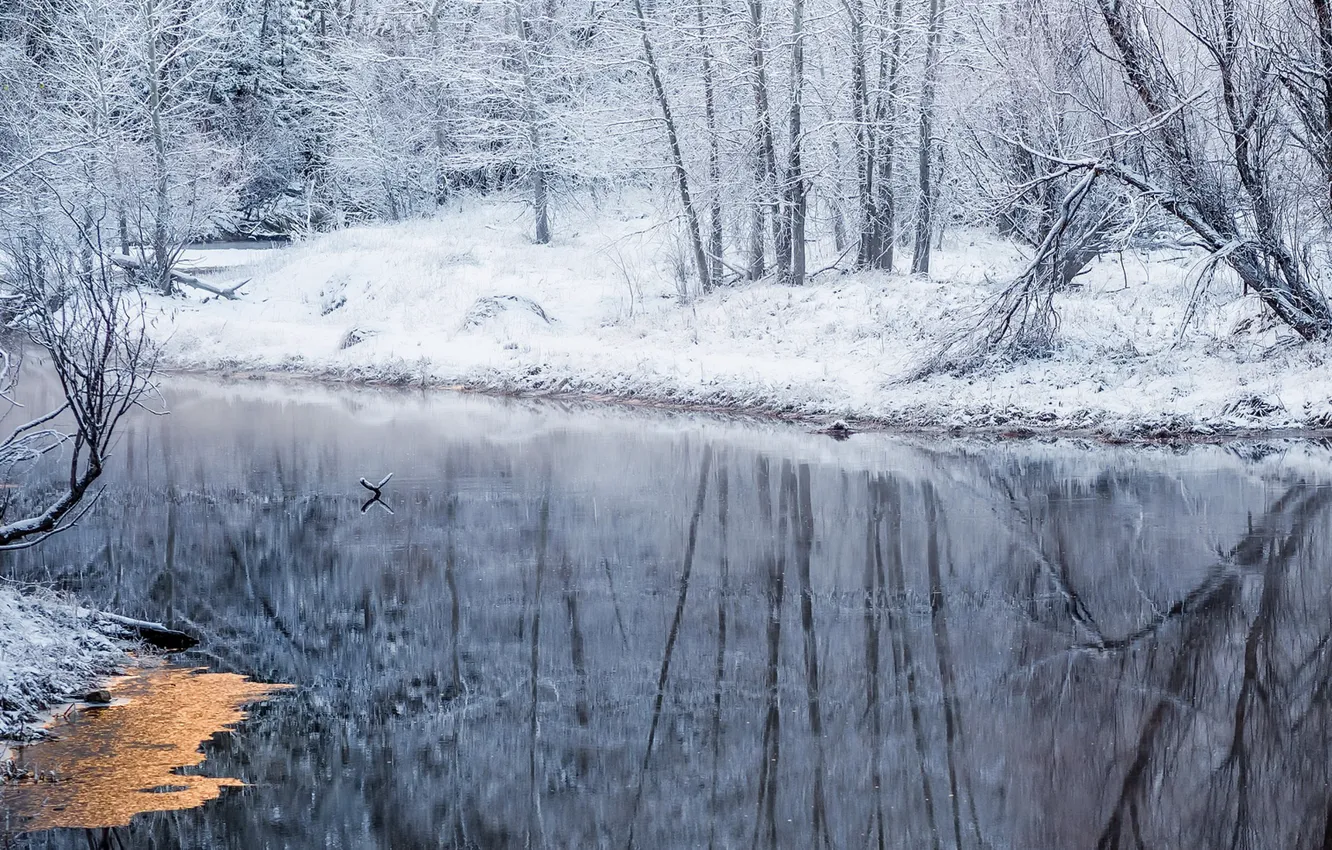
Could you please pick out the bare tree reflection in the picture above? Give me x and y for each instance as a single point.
(685, 572)
(997, 647)
(804, 545)
(774, 558)
(724, 580)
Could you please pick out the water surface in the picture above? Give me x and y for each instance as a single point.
(105, 764)
(597, 628)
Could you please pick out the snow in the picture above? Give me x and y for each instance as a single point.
(230, 255)
(47, 651)
(456, 301)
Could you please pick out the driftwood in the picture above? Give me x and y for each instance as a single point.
(377, 490)
(153, 634)
(177, 276)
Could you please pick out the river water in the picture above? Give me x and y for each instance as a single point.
(607, 628)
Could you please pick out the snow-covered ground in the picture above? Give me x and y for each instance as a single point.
(406, 303)
(218, 257)
(49, 649)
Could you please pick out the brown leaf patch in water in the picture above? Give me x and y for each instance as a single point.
(109, 764)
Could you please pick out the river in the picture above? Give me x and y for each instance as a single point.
(572, 626)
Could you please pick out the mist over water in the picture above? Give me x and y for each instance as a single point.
(592, 628)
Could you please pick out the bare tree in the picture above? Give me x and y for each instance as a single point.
(1305, 70)
(92, 332)
(855, 13)
(796, 191)
(715, 249)
(766, 159)
(164, 253)
(1234, 208)
(884, 224)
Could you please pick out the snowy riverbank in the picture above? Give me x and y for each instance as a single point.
(429, 302)
(47, 652)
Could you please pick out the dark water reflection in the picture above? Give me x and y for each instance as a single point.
(601, 629)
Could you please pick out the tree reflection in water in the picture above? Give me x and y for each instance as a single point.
(586, 629)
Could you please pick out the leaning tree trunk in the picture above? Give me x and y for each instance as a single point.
(677, 156)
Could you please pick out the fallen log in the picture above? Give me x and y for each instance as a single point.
(153, 634)
(177, 276)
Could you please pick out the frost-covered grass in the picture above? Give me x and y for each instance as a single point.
(47, 652)
(399, 303)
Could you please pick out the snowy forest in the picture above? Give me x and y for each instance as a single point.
(859, 129)
(779, 140)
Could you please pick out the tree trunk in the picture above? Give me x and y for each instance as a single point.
(714, 157)
(756, 259)
(1323, 20)
(920, 258)
(885, 128)
(797, 194)
(865, 148)
(536, 167)
(162, 259)
(677, 156)
(767, 148)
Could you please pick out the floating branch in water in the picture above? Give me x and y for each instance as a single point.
(377, 490)
(375, 500)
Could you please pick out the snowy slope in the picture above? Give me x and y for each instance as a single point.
(399, 303)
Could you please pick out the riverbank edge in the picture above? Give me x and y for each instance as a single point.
(52, 650)
(1008, 423)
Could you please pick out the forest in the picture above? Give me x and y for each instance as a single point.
(786, 134)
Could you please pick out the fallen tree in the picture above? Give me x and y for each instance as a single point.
(154, 634)
(136, 268)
